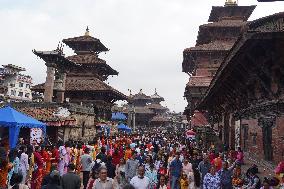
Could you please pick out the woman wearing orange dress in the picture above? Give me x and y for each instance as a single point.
(128, 153)
(48, 161)
(78, 158)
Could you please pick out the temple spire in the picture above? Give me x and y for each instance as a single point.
(87, 33)
(231, 3)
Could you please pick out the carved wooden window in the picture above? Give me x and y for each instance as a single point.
(83, 129)
(20, 94)
(13, 93)
(253, 139)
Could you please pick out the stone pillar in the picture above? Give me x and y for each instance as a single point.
(49, 83)
(60, 86)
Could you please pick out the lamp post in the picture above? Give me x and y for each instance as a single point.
(134, 125)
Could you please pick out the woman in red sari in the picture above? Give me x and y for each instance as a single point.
(37, 174)
(46, 160)
(54, 155)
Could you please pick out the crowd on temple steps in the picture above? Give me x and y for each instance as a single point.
(153, 160)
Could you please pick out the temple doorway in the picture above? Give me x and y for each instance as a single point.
(267, 143)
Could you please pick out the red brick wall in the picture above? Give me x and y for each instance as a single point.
(256, 149)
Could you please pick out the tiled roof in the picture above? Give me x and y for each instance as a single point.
(90, 43)
(81, 39)
(213, 46)
(141, 96)
(225, 23)
(235, 12)
(200, 81)
(160, 119)
(55, 56)
(156, 106)
(86, 59)
(47, 115)
(198, 119)
(157, 97)
(92, 60)
(140, 110)
(84, 84)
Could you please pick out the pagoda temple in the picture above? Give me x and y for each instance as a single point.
(143, 108)
(138, 104)
(215, 39)
(161, 118)
(80, 78)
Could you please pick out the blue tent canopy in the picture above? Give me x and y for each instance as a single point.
(123, 127)
(118, 116)
(13, 119)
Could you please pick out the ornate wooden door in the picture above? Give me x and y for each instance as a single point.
(267, 143)
(267, 123)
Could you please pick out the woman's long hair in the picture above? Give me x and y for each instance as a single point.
(17, 179)
(197, 178)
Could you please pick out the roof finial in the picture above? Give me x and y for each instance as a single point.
(231, 3)
(155, 90)
(87, 33)
(140, 91)
(130, 91)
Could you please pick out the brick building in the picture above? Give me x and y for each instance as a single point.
(236, 80)
(245, 99)
(214, 41)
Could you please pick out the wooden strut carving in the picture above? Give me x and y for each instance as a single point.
(271, 26)
(267, 121)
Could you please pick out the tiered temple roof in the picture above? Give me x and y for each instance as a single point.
(157, 98)
(140, 99)
(84, 72)
(75, 84)
(154, 106)
(200, 81)
(159, 119)
(145, 107)
(141, 96)
(219, 45)
(214, 41)
(232, 12)
(85, 44)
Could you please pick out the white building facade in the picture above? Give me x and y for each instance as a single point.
(13, 85)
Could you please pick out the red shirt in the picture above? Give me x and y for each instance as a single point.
(55, 155)
(116, 158)
(38, 160)
(211, 157)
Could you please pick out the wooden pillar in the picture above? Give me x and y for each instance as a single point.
(49, 83)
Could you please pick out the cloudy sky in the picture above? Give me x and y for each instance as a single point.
(145, 37)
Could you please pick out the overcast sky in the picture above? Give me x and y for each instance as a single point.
(146, 38)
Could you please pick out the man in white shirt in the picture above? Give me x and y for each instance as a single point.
(103, 182)
(140, 181)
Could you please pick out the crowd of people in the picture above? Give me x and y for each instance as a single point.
(153, 160)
